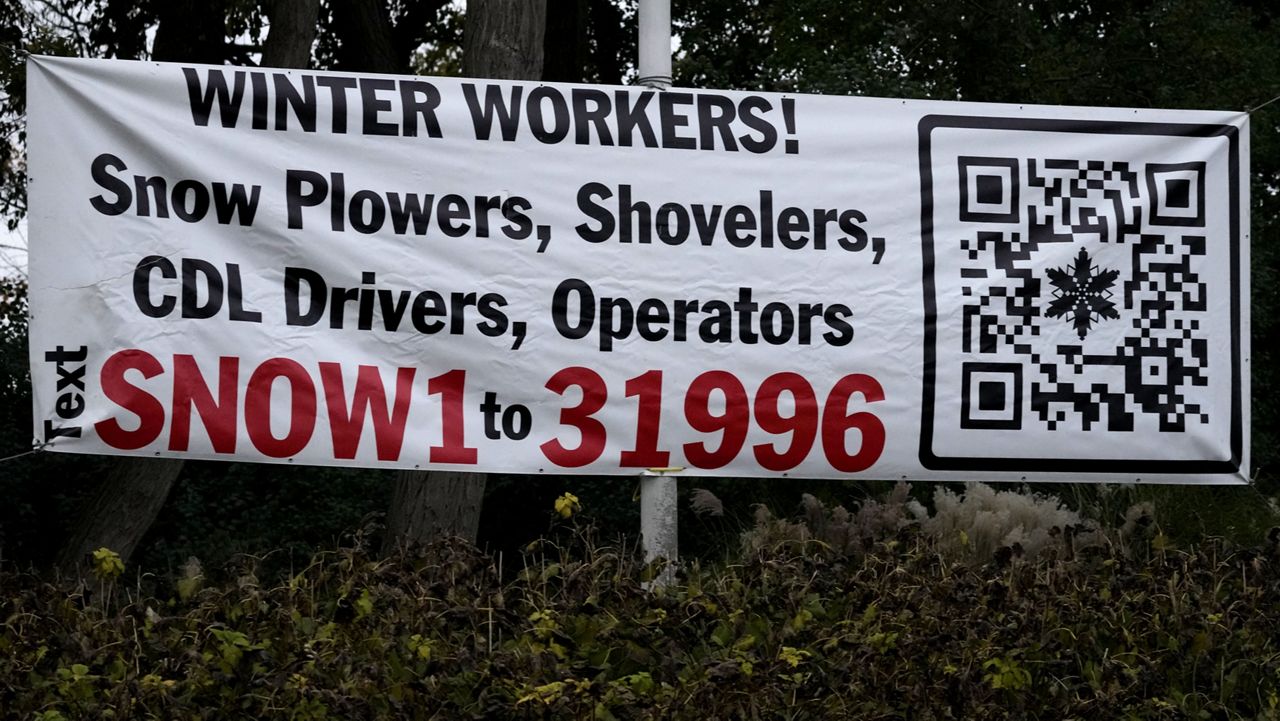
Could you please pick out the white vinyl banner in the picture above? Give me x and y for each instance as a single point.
(441, 273)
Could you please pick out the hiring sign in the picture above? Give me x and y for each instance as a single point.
(443, 273)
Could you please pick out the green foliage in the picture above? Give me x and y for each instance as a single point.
(898, 632)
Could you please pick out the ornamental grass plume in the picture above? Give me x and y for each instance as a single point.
(1139, 520)
(705, 503)
(835, 531)
(771, 534)
(974, 524)
(879, 519)
(192, 578)
(971, 526)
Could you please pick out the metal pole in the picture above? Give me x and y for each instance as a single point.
(658, 492)
(655, 44)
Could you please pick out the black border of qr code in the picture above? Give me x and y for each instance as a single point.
(1137, 465)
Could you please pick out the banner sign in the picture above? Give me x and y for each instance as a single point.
(442, 273)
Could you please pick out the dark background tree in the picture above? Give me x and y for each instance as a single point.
(502, 40)
(131, 495)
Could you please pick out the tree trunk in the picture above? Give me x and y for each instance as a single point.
(129, 499)
(502, 39)
(122, 508)
(564, 49)
(435, 504)
(611, 45)
(293, 30)
(192, 31)
(368, 40)
(586, 42)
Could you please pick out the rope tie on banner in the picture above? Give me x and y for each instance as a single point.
(36, 449)
(15, 49)
(1254, 109)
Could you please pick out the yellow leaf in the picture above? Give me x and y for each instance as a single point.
(364, 604)
(567, 505)
(107, 565)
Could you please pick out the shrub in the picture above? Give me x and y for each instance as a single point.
(899, 629)
(981, 520)
(835, 531)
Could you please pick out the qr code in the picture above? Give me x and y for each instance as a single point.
(1083, 302)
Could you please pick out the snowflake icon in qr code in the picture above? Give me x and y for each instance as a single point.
(1083, 294)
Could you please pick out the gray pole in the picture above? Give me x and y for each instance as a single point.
(655, 44)
(658, 491)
